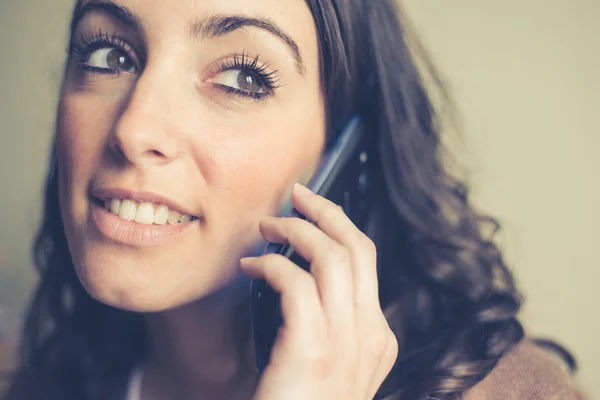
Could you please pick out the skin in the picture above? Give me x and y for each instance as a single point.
(165, 124)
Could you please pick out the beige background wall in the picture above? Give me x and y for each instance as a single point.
(525, 75)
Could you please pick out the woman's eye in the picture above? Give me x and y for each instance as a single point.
(110, 58)
(243, 80)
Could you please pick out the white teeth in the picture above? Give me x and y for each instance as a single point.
(115, 206)
(161, 215)
(145, 214)
(173, 217)
(128, 209)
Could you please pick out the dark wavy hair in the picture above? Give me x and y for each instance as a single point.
(444, 287)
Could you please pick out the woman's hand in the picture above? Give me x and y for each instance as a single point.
(335, 342)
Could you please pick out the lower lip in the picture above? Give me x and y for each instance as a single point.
(135, 234)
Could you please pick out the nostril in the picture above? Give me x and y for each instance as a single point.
(140, 149)
(116, 150)
(156, 153)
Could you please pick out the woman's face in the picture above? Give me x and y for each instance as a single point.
(176, 110)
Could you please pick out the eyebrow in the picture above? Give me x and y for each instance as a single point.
(208, 27)
(123, 14)
(219, 25)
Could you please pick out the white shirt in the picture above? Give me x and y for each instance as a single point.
(134, 386)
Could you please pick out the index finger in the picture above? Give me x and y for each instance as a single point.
(335, 223)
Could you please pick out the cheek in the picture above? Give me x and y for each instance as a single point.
(258, 173)
(85, 120)
(83, 125)
(82, 128)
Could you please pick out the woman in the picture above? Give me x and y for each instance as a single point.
(181, 128)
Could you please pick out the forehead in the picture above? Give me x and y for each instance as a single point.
(296, 9)
(292, 16)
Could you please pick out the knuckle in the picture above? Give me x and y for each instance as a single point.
(304, 283)
(292, 226)
(392, 341)
(391, 354)
(319, 359)
(275, 264)
(368, 244)
(337, 255)
(271, 258)
(329, 212)
(377, 344)
(294, 221)
(272, 261)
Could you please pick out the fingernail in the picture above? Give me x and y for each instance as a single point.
(268, 220)
(302, 190)
(247, 260)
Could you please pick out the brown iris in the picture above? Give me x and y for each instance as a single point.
(117, 60)
(249, 82)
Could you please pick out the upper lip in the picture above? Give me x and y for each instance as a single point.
(139, 196)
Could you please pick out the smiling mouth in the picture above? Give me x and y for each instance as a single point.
(145, 213)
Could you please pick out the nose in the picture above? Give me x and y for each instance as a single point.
(146, 133)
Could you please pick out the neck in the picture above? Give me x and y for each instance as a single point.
(194, 350)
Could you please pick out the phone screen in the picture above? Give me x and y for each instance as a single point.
(343, 176)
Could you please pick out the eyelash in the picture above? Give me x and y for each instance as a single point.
(243, 62)
(85, 46)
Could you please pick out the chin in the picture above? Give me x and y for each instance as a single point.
(119, 288)
(147, 286)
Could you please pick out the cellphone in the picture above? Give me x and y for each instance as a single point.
(344, 177)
